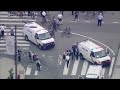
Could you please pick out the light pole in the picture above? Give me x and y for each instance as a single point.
(15, 56)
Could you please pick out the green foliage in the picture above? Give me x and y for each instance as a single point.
(10, 74)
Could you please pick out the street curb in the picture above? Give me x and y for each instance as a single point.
(115, 62)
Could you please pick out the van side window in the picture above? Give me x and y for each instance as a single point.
(92, 54)
(36, 36)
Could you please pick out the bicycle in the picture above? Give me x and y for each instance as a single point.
(66, 32)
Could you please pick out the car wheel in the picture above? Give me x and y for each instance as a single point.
(26, 38)
(81, 57)
(40, 47)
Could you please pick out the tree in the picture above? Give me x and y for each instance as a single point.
(11, 74)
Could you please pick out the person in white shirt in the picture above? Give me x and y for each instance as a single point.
(100, 18)
(44, 16)
(67, 60)
(59, 17)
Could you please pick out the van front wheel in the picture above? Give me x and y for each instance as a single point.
(81, 57)
(40, 47)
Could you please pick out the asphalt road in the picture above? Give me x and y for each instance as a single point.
(108, 34)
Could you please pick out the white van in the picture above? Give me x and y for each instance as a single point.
(93, 53)
(38, 35)
(94, 72)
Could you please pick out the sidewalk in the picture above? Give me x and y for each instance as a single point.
(109, 17)
(116, 70)
(6, 63)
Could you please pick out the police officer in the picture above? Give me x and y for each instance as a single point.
(100, 18)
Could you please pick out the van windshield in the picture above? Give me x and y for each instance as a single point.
(100, 54)
(44, 36)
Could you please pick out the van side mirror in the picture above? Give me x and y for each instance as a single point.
(107, 51)
(92, 54)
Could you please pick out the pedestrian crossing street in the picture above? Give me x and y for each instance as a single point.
(12, 21)
(75, 68)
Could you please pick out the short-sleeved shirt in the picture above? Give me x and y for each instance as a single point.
(59, 16)
(2, 28)
(100, 17)
(43, 13)
(67, 57)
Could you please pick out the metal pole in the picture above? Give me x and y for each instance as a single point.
(15, 54)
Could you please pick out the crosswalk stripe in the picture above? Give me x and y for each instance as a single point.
(114, 22)
(15, 23)
(8, 28)
(65, 71)
(15, 19)
(18, 41)
(28, 70)
(18, 31)
(18, 34)
(111, 66)
(87, 21)
(17, 45)
(103, 72)
(84, 68)
(21, 38)
(75, 66)
(23, 48)
(36, 72)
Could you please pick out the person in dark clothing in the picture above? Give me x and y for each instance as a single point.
(54, 24)
(19, 57)
(71, 54)
(77, 53)
(34, 57)
(72, 12)
(12, 32)
(30, 56)
(38, 64)
(73, 48)
(61, 12)
(64, 56)
(76, 15)
(18, 76)
(2, 30)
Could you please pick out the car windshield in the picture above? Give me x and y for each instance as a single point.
(44, 36)
(100, 54)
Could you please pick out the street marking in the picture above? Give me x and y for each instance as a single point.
(75, 66)
(28, 71)
(16, 19)
(59, 60)
(36, 72)
(84, 69)
(87, 21)
(103, 72)
(114, 22)
(43, 55)
(93, 40)
(111, 66)
(72, 21)
(103, 22)
(65, 71)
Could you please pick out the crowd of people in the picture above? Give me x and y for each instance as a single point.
(69, 54)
